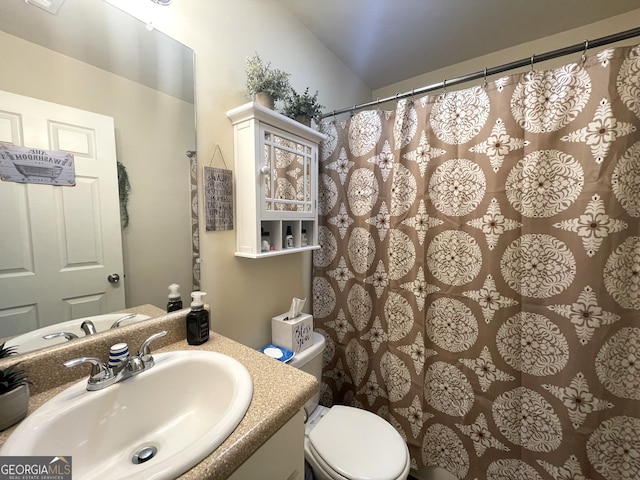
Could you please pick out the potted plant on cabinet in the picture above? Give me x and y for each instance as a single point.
(265, 83)
(14, 391)
(303, 107)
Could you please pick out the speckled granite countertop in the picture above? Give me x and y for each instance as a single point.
(279, 391)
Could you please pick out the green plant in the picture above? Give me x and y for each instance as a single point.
(13, 376)
(303, 104)
(124, 187)
(262, 77)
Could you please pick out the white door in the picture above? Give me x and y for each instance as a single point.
(59, 244)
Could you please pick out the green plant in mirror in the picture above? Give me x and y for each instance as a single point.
(13, 376)
(303, 104)
(262, 77)
(124, 187)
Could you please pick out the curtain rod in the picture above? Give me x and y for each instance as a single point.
(579, 47)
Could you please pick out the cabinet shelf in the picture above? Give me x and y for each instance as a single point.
(276, 165)
(275, 253)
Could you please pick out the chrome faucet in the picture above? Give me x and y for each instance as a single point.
(117, 323)
(87, 327)
(102, 375)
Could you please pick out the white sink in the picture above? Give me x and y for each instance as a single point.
(33, 340)
(185, 406)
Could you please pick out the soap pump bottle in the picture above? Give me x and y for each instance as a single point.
(175, 302)
(197, 321)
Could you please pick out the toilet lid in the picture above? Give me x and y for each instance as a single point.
(359, 445)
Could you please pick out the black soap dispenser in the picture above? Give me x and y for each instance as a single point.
(197, 321)
(175, 302)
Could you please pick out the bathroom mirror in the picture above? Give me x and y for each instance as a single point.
(92, 56)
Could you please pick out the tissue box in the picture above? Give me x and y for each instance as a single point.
(296, 334)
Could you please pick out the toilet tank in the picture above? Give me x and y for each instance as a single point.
(310, 361)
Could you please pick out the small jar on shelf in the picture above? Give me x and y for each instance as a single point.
(289, 238)
(265, 241)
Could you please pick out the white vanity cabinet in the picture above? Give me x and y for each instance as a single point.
(281, 457)
(276, 182)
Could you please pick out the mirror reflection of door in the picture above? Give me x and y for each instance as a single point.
(58, 251)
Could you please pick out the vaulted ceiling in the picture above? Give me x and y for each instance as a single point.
(386, 41)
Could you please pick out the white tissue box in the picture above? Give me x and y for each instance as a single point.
(296, 334)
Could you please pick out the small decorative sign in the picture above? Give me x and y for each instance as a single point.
(218, 196)
(33, 165)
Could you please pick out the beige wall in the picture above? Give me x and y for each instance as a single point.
(153, 131)
(570, 37)
(245, 293)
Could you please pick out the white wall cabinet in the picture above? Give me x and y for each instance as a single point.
(276, 182)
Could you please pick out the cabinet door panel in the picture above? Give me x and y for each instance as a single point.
(287, 185)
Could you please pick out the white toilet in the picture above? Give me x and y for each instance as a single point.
(348, 443)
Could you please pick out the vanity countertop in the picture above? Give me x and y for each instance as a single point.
(146, 309)
(279, 391)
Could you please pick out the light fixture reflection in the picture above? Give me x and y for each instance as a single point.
(52, 6)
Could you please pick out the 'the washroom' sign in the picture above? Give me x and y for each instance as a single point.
(34, 165)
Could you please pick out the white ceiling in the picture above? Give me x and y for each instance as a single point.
(386, 41)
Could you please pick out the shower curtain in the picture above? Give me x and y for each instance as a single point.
(478, 280)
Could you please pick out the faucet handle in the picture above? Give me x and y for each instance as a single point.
(97, 366)
(145, 352)
(67, 335)
(117, 323)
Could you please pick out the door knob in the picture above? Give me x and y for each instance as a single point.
(113, 278)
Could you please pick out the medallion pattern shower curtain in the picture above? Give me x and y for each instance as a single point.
(478, 280)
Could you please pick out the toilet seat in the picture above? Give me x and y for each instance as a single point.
(348, 443)
(321, 470)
